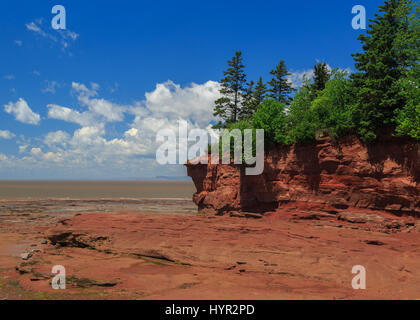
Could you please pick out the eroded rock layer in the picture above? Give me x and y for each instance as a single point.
(341, 175)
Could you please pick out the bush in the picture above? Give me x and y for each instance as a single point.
(303, 121)
(408, 118)
(272, 118)
(332, 107)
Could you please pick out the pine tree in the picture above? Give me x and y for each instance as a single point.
(260, 91)
(321, 76)
(280, 86)
(387, 56)
(253, 98)
(248, 102)
(228, 107)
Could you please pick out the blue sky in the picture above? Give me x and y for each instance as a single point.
(85, 103)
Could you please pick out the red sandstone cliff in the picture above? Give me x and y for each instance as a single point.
(343, 175)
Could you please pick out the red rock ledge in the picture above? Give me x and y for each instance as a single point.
(325, 175)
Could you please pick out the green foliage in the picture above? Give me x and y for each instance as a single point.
(253, 98)
(321, 76)
(408, 121)
(280, 86)
(408, 118)
(332, 107)
(303, 125)
(389, 49)
(271, 117)
(225, 141)
(382, 97)
(228, 107)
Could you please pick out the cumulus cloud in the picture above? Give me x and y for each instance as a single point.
(194, 102)
(22, 112)
(109, 111)
(36, 151)
(98, 113)
(66, 114)
(132, 151)
(57, 138)
(6, 134)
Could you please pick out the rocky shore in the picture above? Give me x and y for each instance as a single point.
(287, 254)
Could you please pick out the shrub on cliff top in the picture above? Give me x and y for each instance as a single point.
(271, 117)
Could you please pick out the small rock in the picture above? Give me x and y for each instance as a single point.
(26, 255)
(240, 262)
(44, 242)
(230, 268)
(374, 242)
(253, 215)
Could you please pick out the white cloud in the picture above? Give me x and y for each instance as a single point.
(194, 102)
(64, 38)
(32, 26)
(297, 77)
(36, 151)
(69, 115)
(22, 112)
(57, 138)
(128, 154)
(18, 43)
(108, 111)
(50, 86)
(23, 148)
(6, 134)
(88, 136)
(99, 111)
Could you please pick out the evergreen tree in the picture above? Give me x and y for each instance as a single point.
(321, 76)
(248, 102)
(228, 107)
(408, 118)
(253, 98)
(280, 86)
(260, 91)
(388, 54)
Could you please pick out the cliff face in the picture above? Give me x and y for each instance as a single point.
(324, 175)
